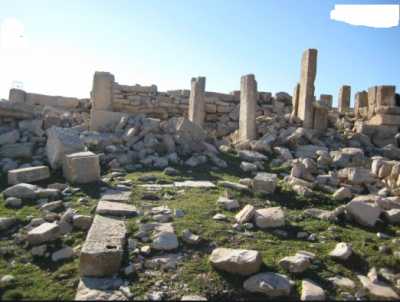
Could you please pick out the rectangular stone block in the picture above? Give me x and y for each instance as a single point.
(62, 141)
(265, 182)
(19, 150)
(102, 252)
(28, 175)
(103, 119)
(306, 95)
(81, 167)
(385, 119)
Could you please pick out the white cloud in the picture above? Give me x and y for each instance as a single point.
(372, 15)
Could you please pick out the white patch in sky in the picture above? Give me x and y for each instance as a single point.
(372, 15)
(12, 35)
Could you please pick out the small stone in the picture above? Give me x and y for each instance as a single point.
(269, 284)
(62, 254)
(189, 237)
(219, 216)
(228, 204)
(246, 214)
(13, 202)
(311, 291)
(165, 241)
(342, 251)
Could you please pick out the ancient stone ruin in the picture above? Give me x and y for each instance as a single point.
(153, 191)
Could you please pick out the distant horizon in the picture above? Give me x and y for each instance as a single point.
(54, 47)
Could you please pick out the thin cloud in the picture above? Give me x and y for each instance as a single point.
(371, 15)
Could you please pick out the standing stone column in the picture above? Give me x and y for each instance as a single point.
(371, 100)
(344, 99)
(17, 95)
(361, 104)
(295, 100)
(386, 96)
(307, 78)
(197, 101)
(326, 100)
(102, 90)
(248, 105)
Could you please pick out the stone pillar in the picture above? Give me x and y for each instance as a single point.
(371, 101)
(361, 104)
(326, 100)
(344, 99)
(295, 100)
(386, 96)
(320, 116)
(102, 90)
(197, 101)
(306, 94)
(17, 95)
(248, 105)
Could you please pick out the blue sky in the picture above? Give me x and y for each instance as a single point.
(168, 42)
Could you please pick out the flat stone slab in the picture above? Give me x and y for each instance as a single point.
(181, 184)
(99, 289)
(101, 254)
(113, 208)
(28, 175)
(118, 196)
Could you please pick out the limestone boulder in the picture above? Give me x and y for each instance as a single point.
(269, 218)
(45, 232)
(28, 175)
(60, 142)
(236, 261)
(19, 150)
(310, 291)
(165, 241)
(8, 136)
(364, 213)
(22, 190)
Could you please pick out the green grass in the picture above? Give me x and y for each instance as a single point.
(39, 279)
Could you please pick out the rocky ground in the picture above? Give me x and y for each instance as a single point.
(294, 214)
(147, 273)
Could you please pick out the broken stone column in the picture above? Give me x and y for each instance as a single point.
(320, 116)
(17, 95)
(197, 101)
(248, 105)
(371, 101)
(101, 94)
(326, 100)
(295, 100)
(361, 104)
(306, 95)
(386, 96)
(344, 99)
